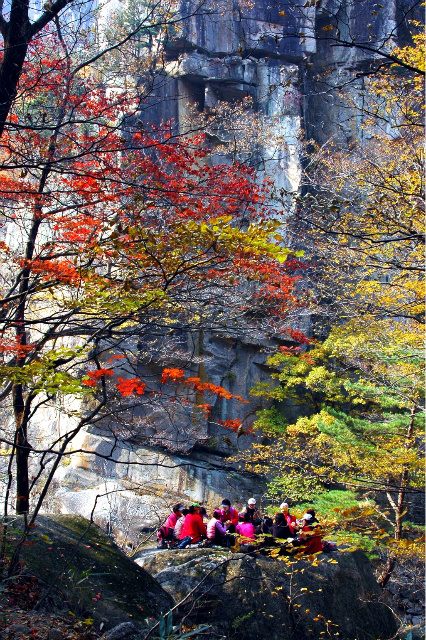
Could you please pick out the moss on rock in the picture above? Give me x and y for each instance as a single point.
(83, 571)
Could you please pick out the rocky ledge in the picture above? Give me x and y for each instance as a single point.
(252, 598)
(70, 565)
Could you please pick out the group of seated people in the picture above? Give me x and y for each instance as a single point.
(186, 526)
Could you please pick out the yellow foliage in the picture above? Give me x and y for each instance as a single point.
(367, 215)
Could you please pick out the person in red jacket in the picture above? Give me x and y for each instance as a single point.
(166, 535)
(310, 534)
(229, 516)
(193, 525)
(289, 518)
(174, 516)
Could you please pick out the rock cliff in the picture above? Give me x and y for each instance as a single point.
(253, 598)
(287, 58)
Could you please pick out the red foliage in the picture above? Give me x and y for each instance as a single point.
(234, 425)
(88, 181)
(238, 427)
(131, 386)
(202, 387)
(88, 382)
(11, 346)
(106, 215)
(290, 351)
(178, 375)
(298, 336)
(60, 270)
(96, 375)
(206, 409)
(172, 374)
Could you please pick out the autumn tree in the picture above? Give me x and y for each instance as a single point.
(110, 235)
(362, 426)
(360, 389)
(21, 24)
(361, 214)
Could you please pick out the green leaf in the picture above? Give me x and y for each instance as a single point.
(169, 623)
(161, 627)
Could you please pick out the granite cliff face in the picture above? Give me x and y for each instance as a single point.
(285, 57)
(291, 59)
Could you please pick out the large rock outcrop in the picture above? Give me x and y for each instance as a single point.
(134, 495)
(252, 598)
(79, 569)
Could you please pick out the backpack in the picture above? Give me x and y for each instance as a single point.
(328, 546)
(164, 535)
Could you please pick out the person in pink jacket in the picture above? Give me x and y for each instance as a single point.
(246, 529)
(216, 531)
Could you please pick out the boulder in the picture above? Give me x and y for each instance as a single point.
(79, 569)
(252, 598)
(123, 631)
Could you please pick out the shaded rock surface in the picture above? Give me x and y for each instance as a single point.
(123, 631)
(136, 494)
(81, 570)
(280, 599)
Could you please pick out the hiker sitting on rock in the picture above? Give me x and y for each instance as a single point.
(310, 534)
(280, 528)
(179, 524)
(166, 534)
(216, 531)
(193, 525)
(174, 516)
(229, 516)
(246, 529)
(253, 513)
(267, 525)
(289, 518)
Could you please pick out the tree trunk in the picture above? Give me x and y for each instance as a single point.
(22, 451)
(15, 34)
(384, 577)
(400, 506)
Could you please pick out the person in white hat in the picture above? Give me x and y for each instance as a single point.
(288, 517)
(251, 512)
(310, 535)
